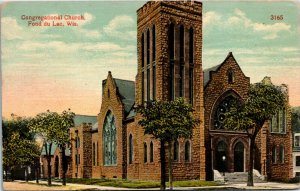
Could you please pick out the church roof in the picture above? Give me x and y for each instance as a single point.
(126, 90)
(80, 119)
(207, 73)
(53, 149)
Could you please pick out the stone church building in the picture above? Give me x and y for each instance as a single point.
(169, 48)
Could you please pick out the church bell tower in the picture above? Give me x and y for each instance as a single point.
(169, 48)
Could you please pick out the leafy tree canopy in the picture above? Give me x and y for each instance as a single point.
(263, 101)
(167, 120)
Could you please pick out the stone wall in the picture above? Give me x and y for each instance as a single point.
(111, 102)
(215, 90)
(161, 14)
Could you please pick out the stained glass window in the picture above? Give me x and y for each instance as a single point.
(223, 107)
(109, 140)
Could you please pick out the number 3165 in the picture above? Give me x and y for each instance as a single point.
(276, 17)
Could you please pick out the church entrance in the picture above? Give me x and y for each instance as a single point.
(221, 157)
(239, 157)
(56, 166)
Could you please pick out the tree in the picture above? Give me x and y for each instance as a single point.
(296, 119)
(167, 121)
(263, 101)
(53, 129)
(19, 145)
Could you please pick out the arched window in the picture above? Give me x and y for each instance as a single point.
(222, 108)
(187, 151)
(191, 69)
(172, 62)
(130, 149)
(145, 152)
(274, 155)
(77, 141)
(230, 75)
(153, 63)
(143, 50)
(176, 151)
(109, 140)
(191, 46)
(148, 47)
(94, 155)
(281, 154)
(151, 152)
(181, 55)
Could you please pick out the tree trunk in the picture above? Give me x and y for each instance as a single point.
(48, 154)
(26, 173)
(162, 165)
(64, 165)
(37, 173)
(250, 165)
(170, 165)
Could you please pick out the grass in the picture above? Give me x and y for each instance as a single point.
(139, 183)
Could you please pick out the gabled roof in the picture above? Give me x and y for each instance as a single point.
(53, 149)
(126, 92)
(80, 119)
(207, 73)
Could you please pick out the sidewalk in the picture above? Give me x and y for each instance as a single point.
(71, 186)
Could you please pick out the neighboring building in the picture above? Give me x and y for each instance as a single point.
(296, 142)
(169, 48)
(80, 122)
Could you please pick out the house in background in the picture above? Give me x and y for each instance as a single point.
(296, 141)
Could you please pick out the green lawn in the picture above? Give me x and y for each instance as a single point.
(139, 183)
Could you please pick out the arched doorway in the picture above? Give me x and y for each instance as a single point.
(56, 166)
(239, 157)
(221, 150)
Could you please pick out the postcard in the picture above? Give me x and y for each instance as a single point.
(78, 55)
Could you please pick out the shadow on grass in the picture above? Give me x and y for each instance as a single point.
(139, 183)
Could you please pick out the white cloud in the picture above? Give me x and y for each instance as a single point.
(239, 19)
(10, 29)
(121, 27)
(210, 18)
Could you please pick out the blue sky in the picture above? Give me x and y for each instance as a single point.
(62, 67)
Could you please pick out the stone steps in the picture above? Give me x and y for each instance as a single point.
(241, 177)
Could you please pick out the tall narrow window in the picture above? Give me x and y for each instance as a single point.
(94, 155)
(176, 151)
(109, 140)
(143, 87)
(148, 47)
(274, 155)
(191, 85)
(154, 82)
(171, 56)
(143, 50)
(230, 76)
(187, 151)
(282, 121)
(151, 152)
(153, 64)
(153, 44)
(97, 150)
(130, 149)
(281, 154)
(181, 43)
(181, 55)
(145, 152)
(148, 84)
(191, 46)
